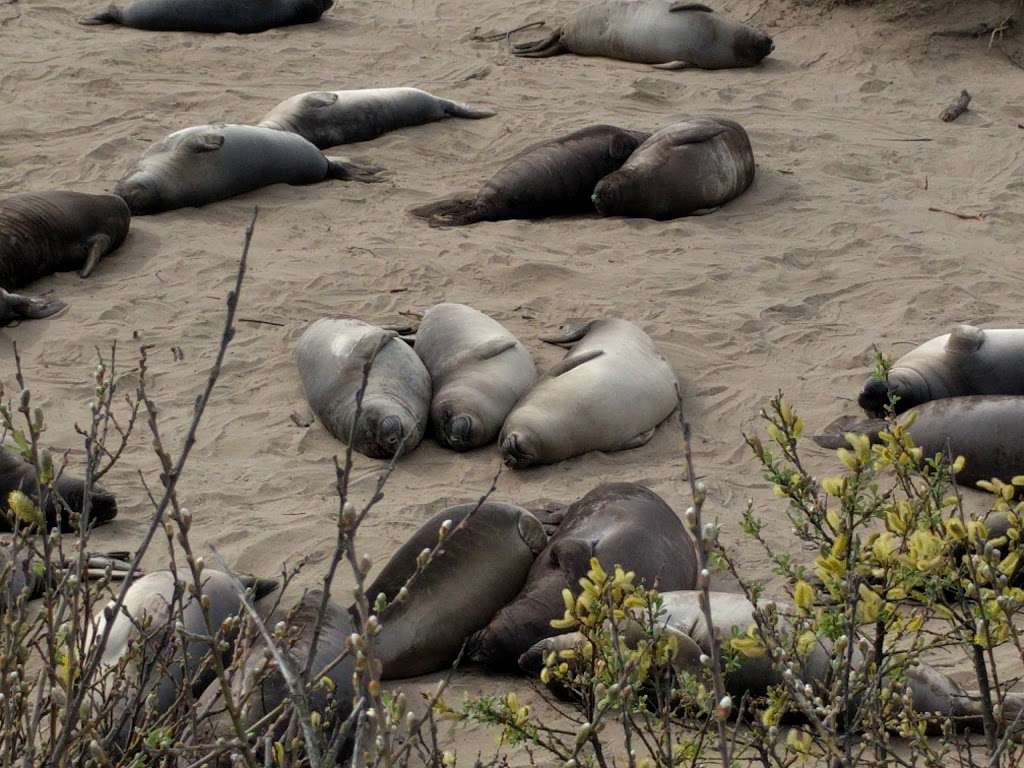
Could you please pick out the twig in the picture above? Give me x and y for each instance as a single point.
(964, 216)
(957, 108)
(260, 322)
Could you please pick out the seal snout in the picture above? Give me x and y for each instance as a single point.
(604, 198)
(874, 397)
(458, 432)
(513, 451)
(391, 433)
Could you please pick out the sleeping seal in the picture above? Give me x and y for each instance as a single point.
(690, 167)
(46, 232)
(670, 35)
(608, 394)
(620, 524)
(479, 370)
(480, 567)
(239, 16)
(968, 361)
(547, 179)
(329, 118)
(331, 356)
(206, 163)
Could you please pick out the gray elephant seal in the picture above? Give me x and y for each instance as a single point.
(64, 504)
(931, 690)
(480, 567)
(239, 16)
(620, 524)
(206, 163)
(479, 370)
(332, 354)
(551, 178)
(669, 35)
(609, 394)
(330, 118)
(47, 232)
(690, 167)
(967, 361)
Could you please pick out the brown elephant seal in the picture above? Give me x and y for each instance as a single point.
(931, 690)
(46, 232)
(967, 361)
(479, 370)
(330, 118)
(207, 163)
(608, 394)
(239, 16)
(65, 502)
(551, 178)
(620, 524)
(332, 355)
(686, 168)
(480, 567)
(670, 35)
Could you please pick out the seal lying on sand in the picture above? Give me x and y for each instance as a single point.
(332, 355)
(690, 167)
(329, 118)
(47, 232)
(547, 179)
(240, 16)
(64, 504)
(620, 524)
(666, 34)
(479, 370)
(608, 394)
(480, 567)
(206, 163)
(931, 690)
(968, 361)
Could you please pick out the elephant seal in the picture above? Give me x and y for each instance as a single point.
(546, 179)
(479, 370)
(330, 118)
(967, 361)
(64, 503)
(618, 523)
(931, 690)
(332, 354)
(480, 567)
(670, 35)
(239, 16)
(608, 394)
(207, 163)
(690, 167)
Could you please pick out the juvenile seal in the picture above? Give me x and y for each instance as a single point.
(608, 394)
(206, 163)
(239, 16)
(332, 354)
(669, 35)
(967, 361)
(546, 179)
(64, 503)
(479, 369)
(690, 167)
(330, 118)
(481, 566)
(47, 232)
(620, 524)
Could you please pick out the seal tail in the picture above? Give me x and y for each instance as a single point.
(346, 171)
(458, 109)
(541, 49)
(110, 16)
(451, 212)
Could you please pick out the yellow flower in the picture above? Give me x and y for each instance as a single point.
(955, 528)
(1009, 564)
(803, 595)
(805, 642)
(884, 547)
(870, 606)
(834, 486)
(926, 550)
(748, 645)
(24, 508)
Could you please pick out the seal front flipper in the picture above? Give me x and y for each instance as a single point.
(98, 246)
(676, 7)
(964, 340)
(572, 557)
(705, 211)
(204, 142)
(539, 49)
(673, 65)
(570, 362)
(346, 171)
(573, 333)
(319, 99)
(635, 442)
(483, 351)
(451, 212)
(835, 433)
(110, 16)
(15, 306)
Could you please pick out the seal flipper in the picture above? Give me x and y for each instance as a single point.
(483, 351)
(572, 556)
(204, 142)
(458, 109)
(965, 339)
(541, 49)
(451, 212)
(673, 65)
(573, 333)
(320, 99)
(346, 171)
(98, 247)
(110, 16)
(635, 442)
(16, 306)
(835, 433)
(675, 7)
(571, 362)
(551, 514)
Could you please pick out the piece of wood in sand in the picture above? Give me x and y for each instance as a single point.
(957, 108)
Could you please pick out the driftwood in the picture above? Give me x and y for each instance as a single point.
(957, 108)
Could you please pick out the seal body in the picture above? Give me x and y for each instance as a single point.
(206, 163)
(329, 118)
(481, 566)
(332, 355)
(967, 361)
(479, 370)
(551, 178)
(689, 167)
(620, 524)
(609, 394)
(676, 34)
(240, 16)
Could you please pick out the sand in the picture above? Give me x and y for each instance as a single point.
(833, 249)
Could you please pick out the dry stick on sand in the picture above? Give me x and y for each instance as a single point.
(964, 216)
(957, 108)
